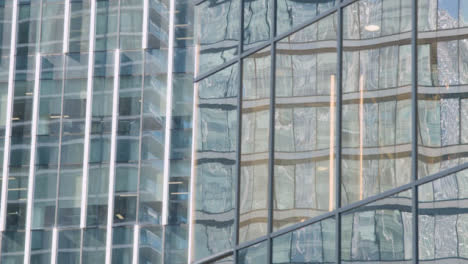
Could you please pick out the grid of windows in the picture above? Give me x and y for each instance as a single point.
(95, 125)
(330, 132)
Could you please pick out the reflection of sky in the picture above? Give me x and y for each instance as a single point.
(450, 6)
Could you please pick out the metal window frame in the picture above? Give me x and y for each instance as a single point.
(412, 186)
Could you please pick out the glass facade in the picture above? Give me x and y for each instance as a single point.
(323, 131)
(330, 131)
(95, 130)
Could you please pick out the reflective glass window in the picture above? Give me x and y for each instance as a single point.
(217, 33)
(216, 145)
(304, 125)
(79, 25)
(442, 79)
(314, 243)
(443, 219)
(379, 232)
(253, 254)
(52, 26)
(295, 13)
(253, 207)
(376, 134)
(257, 27)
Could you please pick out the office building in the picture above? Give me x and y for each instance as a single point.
(95, 128)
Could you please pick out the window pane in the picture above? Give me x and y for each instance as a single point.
(254, 146)
(217, 33)
(376, 132)
(255, 254)
(304, 127)
(257, 22)
(443, 219)
(295, 13)
(378, 232)
(311, 244)
(442, 79)
(52, 27)
(79, 26)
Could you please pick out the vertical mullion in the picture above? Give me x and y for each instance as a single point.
(271, 158)
(66, 27)
(192, 169)
(239, 132)
(145, 24)
(9, 112)
(53, 255)
(89, 105)
(338, 107)
(136, 238)
(167, 134)
(414, 130)
(115, 112)
(32, 159)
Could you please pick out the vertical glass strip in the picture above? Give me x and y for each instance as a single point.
(52, 26)
(215, 144)
(107, 13)
(48, 141)
(100, 138)
(79, 25)
(442, 85)
(71, 152)
(27, 246)
(8, 119)
(305, 124)
(130, 31)
(376, 134)
(253, 208)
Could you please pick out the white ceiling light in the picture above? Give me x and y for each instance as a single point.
(372, 28)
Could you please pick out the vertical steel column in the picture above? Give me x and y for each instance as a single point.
(88, 118)
(53, 253)
(144, 41)
(167, 136)
(414, 131)
(136, 238)
(32, 158)
(115, 113)
(66, 27)
(239, 132)
(271, 156)
(9, 112)
(338, 107)
(193, 172)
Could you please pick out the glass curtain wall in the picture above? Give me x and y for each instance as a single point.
(87, 117)
(350, 118)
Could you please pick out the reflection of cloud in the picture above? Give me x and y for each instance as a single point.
(446, 20)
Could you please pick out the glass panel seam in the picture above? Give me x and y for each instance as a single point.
(414, 131)
(338, 107)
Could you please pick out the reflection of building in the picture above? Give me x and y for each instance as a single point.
(95, 129)
(327, 132)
